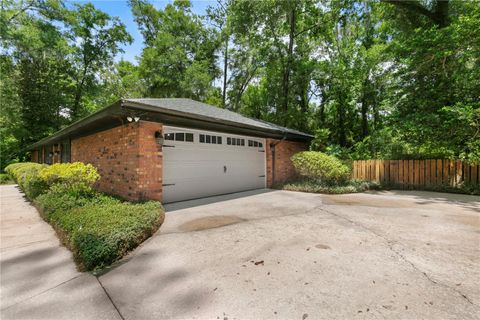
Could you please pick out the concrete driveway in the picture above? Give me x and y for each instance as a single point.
(287, 255)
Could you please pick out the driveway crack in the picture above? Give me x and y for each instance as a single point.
(110, 298)
(390, 244)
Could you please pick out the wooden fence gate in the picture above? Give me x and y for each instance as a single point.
(417, 174)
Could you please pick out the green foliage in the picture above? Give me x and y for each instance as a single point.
(320, 167)
(178, 59)
(370, 79)
(99, 229)
(314, 186)
(49, 68)
(5, 179)
(320, 141)
(71, 176)
(26, 175)
(66, 178)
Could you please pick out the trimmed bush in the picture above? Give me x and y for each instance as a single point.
(5, 178)
(312, 186)
(99, 229)
(36, 179)
(26, 175)
(321, 167)
(74, 176)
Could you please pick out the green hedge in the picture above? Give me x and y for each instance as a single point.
(26, 175)
(5, 178)
(313, 186)
(320, 166)
(98, 229)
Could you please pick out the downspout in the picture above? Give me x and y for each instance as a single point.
(272, 148)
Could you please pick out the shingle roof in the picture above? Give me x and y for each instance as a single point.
(192, 107)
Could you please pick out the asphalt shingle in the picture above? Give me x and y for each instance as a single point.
(192, 107)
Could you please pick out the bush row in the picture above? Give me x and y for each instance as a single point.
(320, 167)
(98, 229)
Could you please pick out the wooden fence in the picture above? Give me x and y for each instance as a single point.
(417, 174)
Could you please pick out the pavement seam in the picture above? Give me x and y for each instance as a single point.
(110, 298)
(40, 293)
(390, 244)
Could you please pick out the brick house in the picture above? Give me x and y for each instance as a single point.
(175, 149)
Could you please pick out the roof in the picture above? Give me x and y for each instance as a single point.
(173, 111)
(192, 107)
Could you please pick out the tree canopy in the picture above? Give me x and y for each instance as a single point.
(388, 79)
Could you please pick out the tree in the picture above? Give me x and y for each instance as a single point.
(95, 39)
(178, 59)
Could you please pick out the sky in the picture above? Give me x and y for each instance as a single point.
(121, 9)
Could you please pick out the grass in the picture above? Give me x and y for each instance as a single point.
(99, 229)
(314, 186)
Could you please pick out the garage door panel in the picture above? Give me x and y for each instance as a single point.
(193, 169)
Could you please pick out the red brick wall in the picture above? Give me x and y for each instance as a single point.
(127, 158)
(284, 169)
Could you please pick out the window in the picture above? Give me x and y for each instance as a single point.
(260, 145)
(234, 142)
(179, 136)
(229, 141)
(242, 142)
(250, 143)
(255, 143)
(206, 138)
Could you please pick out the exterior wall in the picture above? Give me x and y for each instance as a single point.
(284, 169)
(34, 156)
(127, 158)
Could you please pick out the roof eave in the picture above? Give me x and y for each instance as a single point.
(77, 125)
(147, 107)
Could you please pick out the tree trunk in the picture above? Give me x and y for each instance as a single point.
(364, 110)
(225, 69)
(286, 72)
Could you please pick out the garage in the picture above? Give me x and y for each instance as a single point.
(200, 163)
(175, 149)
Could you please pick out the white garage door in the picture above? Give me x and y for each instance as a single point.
(200, 163)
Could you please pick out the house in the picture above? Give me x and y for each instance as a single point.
(175, 149)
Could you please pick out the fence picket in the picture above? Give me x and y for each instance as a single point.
(417, 174)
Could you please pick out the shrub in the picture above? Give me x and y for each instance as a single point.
(36, 179)
(5, 178)
(75, 176)
(313, 186)
(321, 167)
(99, 229)
(27, 176)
